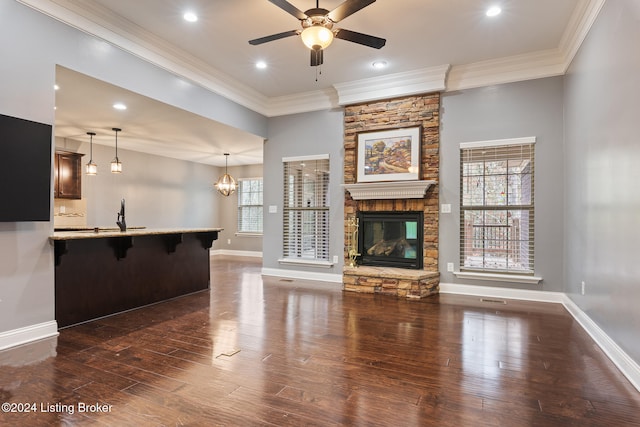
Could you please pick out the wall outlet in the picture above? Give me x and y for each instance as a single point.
(273, 208)
(445, 208)
(228, 241)
(450, 266)
(583, 286)
(63, 209)
(335, 259)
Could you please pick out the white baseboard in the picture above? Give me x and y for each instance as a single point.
(252, 254)
(303, 275)
(495, 292)
(28, 334)
(626, 364)
(629, 368)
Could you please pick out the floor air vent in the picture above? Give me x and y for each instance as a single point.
(495, 301)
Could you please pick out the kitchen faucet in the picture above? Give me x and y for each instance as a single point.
(121, 221)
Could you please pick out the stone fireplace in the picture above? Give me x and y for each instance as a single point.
(378, 272)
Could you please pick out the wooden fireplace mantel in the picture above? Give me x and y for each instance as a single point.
(388, 190)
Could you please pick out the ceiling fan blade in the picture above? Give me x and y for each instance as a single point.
(347, 8)
(364, 39)
(317, 57)
(274, 37)
(290, 9)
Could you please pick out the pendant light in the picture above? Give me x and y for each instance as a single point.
(116, 166)
(91, 168)
(226, 185)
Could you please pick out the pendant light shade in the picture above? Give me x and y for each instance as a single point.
(226, 184)
(91, 168)
(116, 166)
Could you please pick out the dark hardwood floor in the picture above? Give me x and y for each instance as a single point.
(254, 351)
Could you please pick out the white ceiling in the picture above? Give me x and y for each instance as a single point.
(531, 38)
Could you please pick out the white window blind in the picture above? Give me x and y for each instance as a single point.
(250, 205)
(497, 206)
(306, 209)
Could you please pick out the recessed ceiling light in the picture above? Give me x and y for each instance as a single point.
(119, 106)
(494, 11)
(190, 17)
(261, 65)
(379, 64)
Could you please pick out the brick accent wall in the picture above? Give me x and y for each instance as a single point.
(418, 110)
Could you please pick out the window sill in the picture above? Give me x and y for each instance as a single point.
(513, 278)
(247, 234)
(305, 262)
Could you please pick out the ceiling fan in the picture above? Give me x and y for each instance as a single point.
(317, 31)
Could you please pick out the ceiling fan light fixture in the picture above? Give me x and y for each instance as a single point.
(317, 37)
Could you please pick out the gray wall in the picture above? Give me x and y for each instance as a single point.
(160, 192)
(31, 45)
(303, 135)
(228, 214)
(530, 108)
(602, 156)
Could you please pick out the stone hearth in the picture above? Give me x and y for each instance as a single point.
(399, 282)
(418, 110)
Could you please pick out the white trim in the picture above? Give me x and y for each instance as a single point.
(253, 254)
(100, 22)
(248, 234)
(618, 356)
(305, 262)
(303, 275)
(305, 158)
(495, 277)
(388, 190)
(425, 80)
(498, 142)
(495, 292)
(28, 334)
(577, 29)
(528, 66)
(304, 102)
(627, 366)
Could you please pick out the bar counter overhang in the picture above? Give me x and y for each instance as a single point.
(104, 272)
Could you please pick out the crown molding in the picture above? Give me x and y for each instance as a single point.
(100, 22)
(302, 102)
(393, 85)
(534, 65)
(577, 30)
(515, 68)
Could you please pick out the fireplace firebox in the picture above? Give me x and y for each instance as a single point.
(390, 239)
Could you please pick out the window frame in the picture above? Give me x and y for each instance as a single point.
(239, 224)
(525, 275)
(310, 215)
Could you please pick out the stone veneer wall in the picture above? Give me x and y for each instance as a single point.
(411, 111)
(419, 110)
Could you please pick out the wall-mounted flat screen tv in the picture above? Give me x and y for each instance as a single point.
(25, 170)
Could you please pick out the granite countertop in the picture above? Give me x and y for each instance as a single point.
(91, 233)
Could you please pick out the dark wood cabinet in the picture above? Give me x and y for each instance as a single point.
(67, 180)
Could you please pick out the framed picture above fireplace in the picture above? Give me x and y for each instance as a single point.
(389, 155)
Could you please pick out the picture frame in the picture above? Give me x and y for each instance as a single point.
(389, 155)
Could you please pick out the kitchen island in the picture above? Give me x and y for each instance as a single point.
(99, 272)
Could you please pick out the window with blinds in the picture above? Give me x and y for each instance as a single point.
(250, 205)
(306, 208)
(496, 206)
